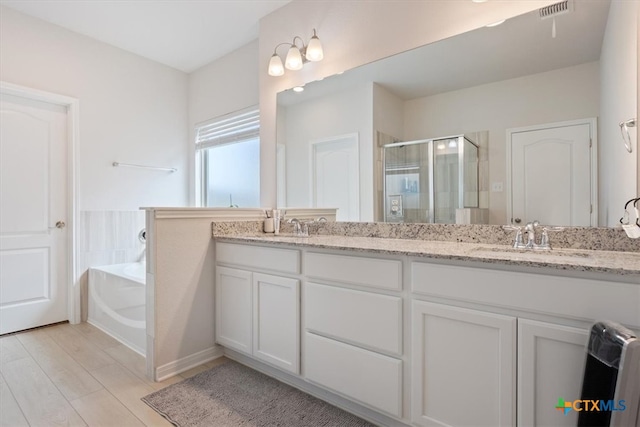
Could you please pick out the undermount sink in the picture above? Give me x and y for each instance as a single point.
(549, 254)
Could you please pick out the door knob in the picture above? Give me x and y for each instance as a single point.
(517, 220)
(60, 224)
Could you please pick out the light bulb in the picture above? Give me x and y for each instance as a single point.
(314, 49)
(275, 66)
(294, 59)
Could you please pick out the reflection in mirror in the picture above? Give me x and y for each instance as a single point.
(498, 80)
(430, 180)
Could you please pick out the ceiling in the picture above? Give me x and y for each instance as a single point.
(183, 34)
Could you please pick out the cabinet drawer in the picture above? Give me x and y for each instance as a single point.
(564, 296)
(365, 318)
(368, 377)
(374, 272)
(283, 260)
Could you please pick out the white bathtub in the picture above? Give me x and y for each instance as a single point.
(117, 303)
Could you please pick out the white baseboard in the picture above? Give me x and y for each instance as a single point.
(184, 364)
(316, 391)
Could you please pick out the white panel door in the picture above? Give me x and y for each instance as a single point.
(33, 198)
(461, 355)
(335, 177)
(551, 361)
(276, 321)
(551, 175)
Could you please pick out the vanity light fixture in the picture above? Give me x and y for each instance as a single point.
(297, 55)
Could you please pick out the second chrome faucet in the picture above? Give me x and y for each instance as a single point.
(530, 229)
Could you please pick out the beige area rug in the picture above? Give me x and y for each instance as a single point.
(231, 394)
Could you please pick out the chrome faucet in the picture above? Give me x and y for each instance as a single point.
(518, 241)
(530, 229)
(296, 225)
(299, 228)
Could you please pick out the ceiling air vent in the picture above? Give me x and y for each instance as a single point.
(556, 9)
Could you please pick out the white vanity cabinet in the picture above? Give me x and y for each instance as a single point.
(551, 360)
(463, 354)
(276, 321)
(258, 313)
(234, 323)
(463, 366)
(410, 340)
(353, 337)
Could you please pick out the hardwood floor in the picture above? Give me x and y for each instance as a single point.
(76, 375)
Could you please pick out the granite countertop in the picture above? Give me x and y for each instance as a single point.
(611, 262)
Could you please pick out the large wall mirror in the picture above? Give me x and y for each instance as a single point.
(382, 142)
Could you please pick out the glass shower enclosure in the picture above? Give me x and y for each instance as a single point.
(427, 180)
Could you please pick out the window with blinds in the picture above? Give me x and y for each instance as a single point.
(228, 160)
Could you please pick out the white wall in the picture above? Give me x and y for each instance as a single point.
(354, 33)
(559, 95)
(226, 85)
(388, 112)
(388, 119)
(333, 115)
(132, 110)
(619, 101)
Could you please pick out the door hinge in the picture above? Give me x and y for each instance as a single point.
(590, 142)
(590, 208)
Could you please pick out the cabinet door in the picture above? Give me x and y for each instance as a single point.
(276, 322)
(233, 309)
(463, 366)
(551, 362)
